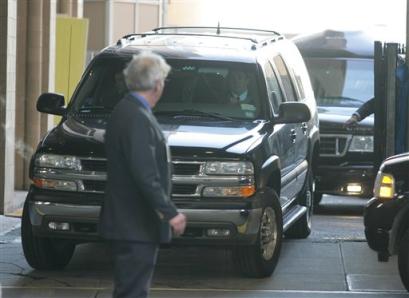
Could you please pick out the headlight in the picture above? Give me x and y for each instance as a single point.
(233, 191)
(229, 168)
(384, 186)
(55, 184)
(361, 144)
(58, 161)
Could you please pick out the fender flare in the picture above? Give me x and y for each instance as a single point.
(271, 168)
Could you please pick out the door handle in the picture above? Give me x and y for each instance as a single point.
(293, 135)
(304, 127)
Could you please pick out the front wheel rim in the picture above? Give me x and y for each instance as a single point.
(268, 233)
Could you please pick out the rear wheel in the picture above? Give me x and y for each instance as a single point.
(317, 199)
(260, 260)
(302, 228)
(403, 260)
(44, 253)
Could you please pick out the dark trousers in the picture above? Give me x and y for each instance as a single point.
(134, 263)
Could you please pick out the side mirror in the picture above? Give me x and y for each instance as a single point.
(293, 112)
(51, 103)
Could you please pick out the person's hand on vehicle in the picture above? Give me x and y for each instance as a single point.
(178, 224)
(352, 121)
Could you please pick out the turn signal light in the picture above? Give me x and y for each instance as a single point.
(384, 186)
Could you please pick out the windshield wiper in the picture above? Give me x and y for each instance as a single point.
(193, 112)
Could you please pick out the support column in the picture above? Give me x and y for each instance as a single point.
(65, 7)
(109, 21)
(48, 57)
(21, 153)
(8, 33)
(72, 8)
(34, 75)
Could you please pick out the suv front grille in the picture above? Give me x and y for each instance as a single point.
(184, 189)
(95, 165)
(186, 168)
(177, 189)
(334, 145)
(94, 185)
(188, 180)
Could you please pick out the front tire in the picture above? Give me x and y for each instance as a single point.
(403, 260)
(260, 259)
(43, 253)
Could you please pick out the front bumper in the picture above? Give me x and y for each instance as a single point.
(334, 179)
(45, 208)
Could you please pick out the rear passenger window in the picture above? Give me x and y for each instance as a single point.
(285, 78)
(274, 91)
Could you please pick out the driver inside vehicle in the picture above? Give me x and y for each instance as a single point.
(239, 91)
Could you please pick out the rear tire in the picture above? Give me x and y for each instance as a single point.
(260, 259)
(317, 199)
(43, 253)
(403, 260)
(302, 228)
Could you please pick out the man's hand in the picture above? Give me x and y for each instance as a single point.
(178, 224)
(351, 121)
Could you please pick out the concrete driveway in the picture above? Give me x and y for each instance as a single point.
(334, 261)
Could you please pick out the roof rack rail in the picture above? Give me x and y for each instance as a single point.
(217, 28)
(265, 35)
(218, 31)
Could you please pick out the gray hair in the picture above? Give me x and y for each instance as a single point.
(145, 70)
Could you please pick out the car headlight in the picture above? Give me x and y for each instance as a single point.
(229, 168)
(55, 184)
(232, 191)
(58, 161)
(361, 144)
(384, 186)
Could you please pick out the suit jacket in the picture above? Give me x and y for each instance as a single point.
(137, 205)
(366, 109)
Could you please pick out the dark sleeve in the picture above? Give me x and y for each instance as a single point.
(140, 151)
(366, 109)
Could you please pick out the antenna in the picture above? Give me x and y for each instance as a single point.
(218, 28)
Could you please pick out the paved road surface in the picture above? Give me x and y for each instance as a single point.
(334, 261)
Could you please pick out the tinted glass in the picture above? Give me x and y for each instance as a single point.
(102, 86)
(228, 89)
(341, 82)
(273, 87)
(285, 78)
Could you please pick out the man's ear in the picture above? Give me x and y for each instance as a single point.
(158, 86)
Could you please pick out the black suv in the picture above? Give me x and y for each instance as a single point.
(241, 171)
(341, 69)
(386, 215)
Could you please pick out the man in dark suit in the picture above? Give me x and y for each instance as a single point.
(138, 214)
(362, 112)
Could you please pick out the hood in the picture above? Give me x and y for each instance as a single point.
(397, 165)
(205, 137)
(403, 157)
(332, 119)
(80, 137)
(85, 137)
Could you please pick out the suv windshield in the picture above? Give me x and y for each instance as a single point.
(199, 88)
(341, 82)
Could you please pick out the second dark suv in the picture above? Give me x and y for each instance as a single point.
(341, 69)
(242, 167)
(386, 214)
